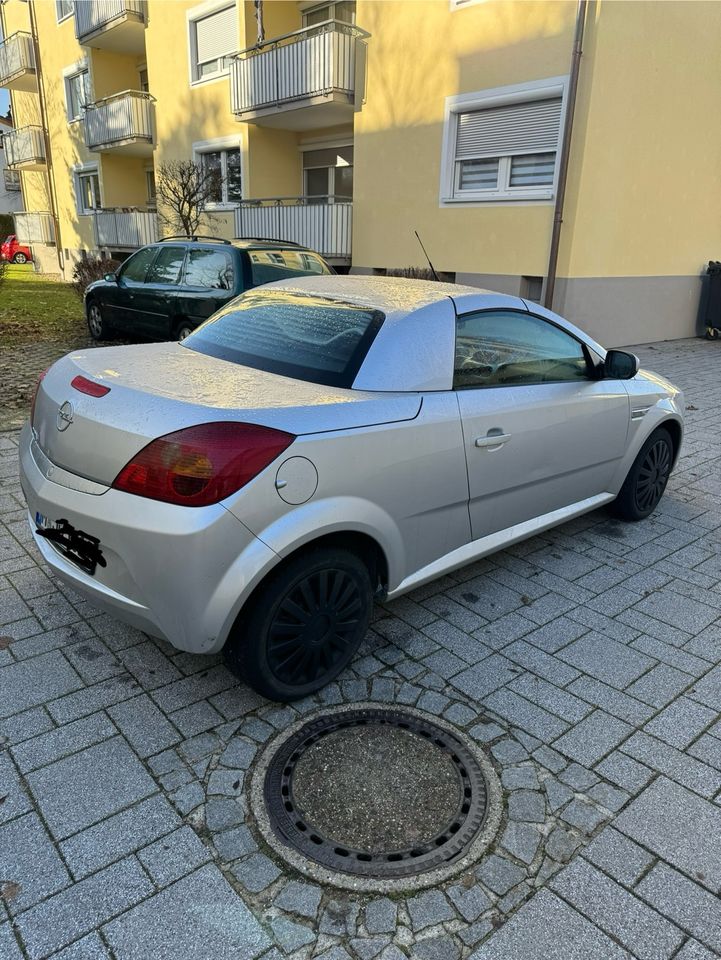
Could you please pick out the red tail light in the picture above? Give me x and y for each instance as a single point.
(202, 465)
(90, 387)
(35, 395)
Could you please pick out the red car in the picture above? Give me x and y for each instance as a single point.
(14, 251)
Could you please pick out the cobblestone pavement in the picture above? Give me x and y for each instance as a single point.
(586, 661)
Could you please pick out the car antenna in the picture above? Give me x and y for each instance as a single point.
(433, 269)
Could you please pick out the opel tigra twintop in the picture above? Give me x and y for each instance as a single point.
(323, 441)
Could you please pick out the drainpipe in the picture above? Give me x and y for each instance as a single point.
(46, 137)
(565, 154)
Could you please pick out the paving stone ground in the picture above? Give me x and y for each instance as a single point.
(586, 662)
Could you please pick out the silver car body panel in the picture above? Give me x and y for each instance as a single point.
(396, 459)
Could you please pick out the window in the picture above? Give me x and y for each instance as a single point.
(502, 144)
(209, 268)
(166, 267)
(226, 163)
(11, 181)
(500, 348)
(532, 288)
(269, 265)
(151, 188)
(88, 190)
(309, 338)
(63, 9)
(344, 11)
(143, 82)
(213, 38)
(134, 270)
(328, 172)
(77, 92)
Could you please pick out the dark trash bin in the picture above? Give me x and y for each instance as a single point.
(711, 300)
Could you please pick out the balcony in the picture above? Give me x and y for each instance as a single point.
(324, 224)
(34, 227)
(25, 148)
(117, 25)
(121, 123)
(17, 63)
(125, 229)
(303, 80)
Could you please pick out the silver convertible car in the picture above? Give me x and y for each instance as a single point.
(321, 442)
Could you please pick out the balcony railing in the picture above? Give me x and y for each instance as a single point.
(310, 77)
(25, 147)
(120, 228)
(17, 63)
(122, 123)
(324, 224)
(34, 227)
(111, 24)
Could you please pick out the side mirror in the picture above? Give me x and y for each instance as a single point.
(111, 277)
(620, 365)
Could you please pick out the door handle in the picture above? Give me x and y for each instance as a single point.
(493, 439)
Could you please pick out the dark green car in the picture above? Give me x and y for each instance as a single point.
(165, 290)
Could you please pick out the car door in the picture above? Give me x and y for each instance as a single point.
(155, 300)
(208, 282)
(121, 305)
(540, 430)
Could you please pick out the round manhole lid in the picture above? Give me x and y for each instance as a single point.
(376, 793)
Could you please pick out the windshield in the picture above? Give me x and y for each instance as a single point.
(306, 337)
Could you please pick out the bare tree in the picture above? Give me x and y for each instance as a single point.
(258, 4)
(184, 188)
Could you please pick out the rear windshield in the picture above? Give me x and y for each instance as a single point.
(269, 265)
(309, 338)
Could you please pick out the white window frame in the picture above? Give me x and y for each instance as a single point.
(66, 16)
(221, 145)
(497, 97)
(80, 170)
(81, 66)
(192, 16)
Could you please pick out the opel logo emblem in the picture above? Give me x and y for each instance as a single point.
(65, 416)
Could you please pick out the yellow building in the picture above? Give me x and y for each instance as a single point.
(352, 125)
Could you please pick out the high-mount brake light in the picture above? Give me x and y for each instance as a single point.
(201, 465)
(90, 387)
(35, 395)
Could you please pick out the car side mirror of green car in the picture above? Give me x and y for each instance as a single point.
(620, 365)
(111, 277)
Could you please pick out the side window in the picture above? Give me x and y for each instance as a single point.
(269, 265)
(166, 268)
(498, 348)
(209, 268)
(135, 269)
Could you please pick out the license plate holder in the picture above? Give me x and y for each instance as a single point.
(79, 547)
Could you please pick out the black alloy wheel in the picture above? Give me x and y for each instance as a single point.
(303, 624)
(646, 481)
(653, 475)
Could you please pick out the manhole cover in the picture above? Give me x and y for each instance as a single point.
(376, 793)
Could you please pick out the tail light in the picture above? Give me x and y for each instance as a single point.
(35, 395)
(90, 387)
(201, 465)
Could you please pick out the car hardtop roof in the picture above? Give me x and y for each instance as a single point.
(244, 243)
(391, 295)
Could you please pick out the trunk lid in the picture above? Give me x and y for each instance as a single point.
(158, 388)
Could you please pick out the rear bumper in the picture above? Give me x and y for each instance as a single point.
(173, 572)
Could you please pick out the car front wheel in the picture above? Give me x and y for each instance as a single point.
(183, 330)
(304, 625)
(20, 258)
(98, 327)
(646, 481)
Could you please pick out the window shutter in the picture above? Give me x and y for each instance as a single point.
(215, 35)
(530, 127)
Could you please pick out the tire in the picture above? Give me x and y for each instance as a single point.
(304, 624)
(20, 258)
(646, 481)
(97, 325)
(183, 330)
(712, 333)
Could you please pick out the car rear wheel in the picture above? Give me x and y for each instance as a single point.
(97, 325)
(20, 258)
(304, 625)
(646, 481)
(183, 330)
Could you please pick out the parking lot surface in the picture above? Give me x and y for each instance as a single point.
(586, 663)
